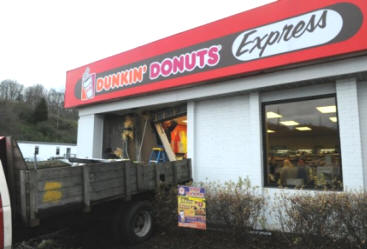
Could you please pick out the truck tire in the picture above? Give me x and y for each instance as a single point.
(134, 223)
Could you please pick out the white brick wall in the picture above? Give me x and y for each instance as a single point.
(90, 136)
(191, 135)
(362, 104)
(221, 142)
(350, 136)
(254, 167)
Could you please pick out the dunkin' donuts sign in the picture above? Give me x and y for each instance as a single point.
(226, 48)
(132, 76)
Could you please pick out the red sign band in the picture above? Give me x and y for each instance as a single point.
(334, 28)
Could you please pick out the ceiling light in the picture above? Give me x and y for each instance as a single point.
(289, 123)
(273, 115)
(333, 119)
(327, 109)
(305, 150)
(270, 131)
(282, 151)
(303, 128)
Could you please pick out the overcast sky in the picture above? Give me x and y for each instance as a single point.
(41, 40)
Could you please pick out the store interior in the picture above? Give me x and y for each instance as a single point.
(146, 135)
(302, 144)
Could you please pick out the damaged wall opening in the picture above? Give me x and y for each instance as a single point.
(136, 135)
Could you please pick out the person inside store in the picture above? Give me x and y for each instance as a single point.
(302, 169)
(273, 170)
(294, 175)
(288, 171)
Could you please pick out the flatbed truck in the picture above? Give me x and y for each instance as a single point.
(31, 193)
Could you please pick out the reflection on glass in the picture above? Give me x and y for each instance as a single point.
(302, 144)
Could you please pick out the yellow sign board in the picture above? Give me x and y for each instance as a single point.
(191, 207)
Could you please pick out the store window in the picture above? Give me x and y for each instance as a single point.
(301, 144)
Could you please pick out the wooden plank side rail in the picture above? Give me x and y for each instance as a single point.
(139, 178)
(126, 168)
(156, 176)
(23, 196)
(33, 198)
(43, 191)
(174, 174)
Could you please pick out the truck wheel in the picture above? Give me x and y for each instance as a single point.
(135, 223)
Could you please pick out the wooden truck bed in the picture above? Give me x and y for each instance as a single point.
(37, 192)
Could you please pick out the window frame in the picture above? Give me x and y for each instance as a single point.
(264, 136)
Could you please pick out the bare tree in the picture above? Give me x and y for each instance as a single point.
(55, 100)
(10, 90)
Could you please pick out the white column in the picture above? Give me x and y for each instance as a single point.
(362, 104)
(90, 136)
(98, 136)
(350, 134)
(191, 136)
(255, 140)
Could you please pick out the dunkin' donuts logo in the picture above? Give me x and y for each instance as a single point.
(88, 83)
(92, 85)
(313, 29)
(130, 76)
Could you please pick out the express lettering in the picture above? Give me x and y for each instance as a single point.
(289, 35)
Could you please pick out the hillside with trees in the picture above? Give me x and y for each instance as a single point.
(35, 114)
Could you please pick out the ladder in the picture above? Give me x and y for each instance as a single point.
(158, 155)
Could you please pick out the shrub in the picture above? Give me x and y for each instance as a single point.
(318, 220)
(237, 206)
(325, 220)
(352, 209)
(165, 208)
